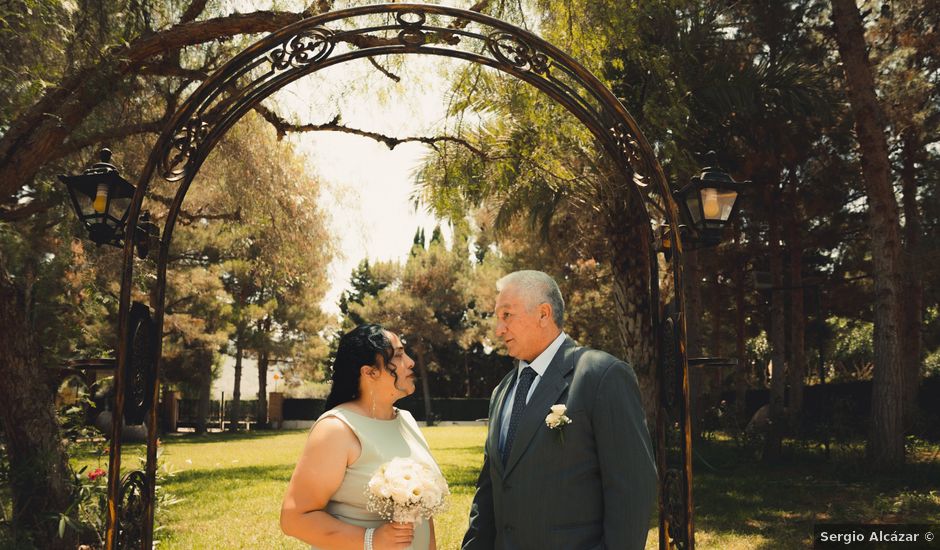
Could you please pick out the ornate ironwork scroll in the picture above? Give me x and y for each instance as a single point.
(140, 368)
(317, 43)
(513, 51)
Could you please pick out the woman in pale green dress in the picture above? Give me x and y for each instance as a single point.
(325, 504)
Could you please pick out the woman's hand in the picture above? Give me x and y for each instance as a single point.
(393, 536)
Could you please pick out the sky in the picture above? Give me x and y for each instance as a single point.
(366, 187)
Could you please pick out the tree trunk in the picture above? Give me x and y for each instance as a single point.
(466, 370)
(205, 390)
(716, 377)
(261, 415)
(40, 476)
(912, 344)
(425, 387)
(235, 406)
(773, 445)
(264, 360)
(740, 317)
(628, 245)
(820, 333)
(886, 441)
(693, 303)
(796, 368)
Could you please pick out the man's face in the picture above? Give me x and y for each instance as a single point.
(521, 330)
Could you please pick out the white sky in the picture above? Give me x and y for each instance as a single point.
(366, 186)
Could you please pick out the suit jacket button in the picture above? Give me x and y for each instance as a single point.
(506, 486)
(507, 527)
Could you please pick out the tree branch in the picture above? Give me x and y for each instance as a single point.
(283, 127)
(187, 218)
(383, 70)
(25, 211)
(193, 11)
(111, 134)
(36, 135)
(165, 68)
(198, 32)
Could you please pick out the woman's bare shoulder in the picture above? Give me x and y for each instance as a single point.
(332, 428)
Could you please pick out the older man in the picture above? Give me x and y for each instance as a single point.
(578, 477)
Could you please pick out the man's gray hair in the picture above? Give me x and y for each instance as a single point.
(536, 288)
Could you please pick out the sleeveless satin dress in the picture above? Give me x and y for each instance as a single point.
(381, 441)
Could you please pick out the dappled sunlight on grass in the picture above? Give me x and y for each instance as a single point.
(742, 503)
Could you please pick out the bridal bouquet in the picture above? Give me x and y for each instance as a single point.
(406, 491)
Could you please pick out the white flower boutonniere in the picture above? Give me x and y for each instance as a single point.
(557, 420)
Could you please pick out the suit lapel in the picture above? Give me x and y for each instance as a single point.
(550, 387)
(496, 422)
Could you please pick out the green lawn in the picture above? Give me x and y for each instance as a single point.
(231, 486)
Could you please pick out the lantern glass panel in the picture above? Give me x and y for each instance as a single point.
(695, 207)
(710, 207)
(726, 198)
(86, 204)
(118, 208)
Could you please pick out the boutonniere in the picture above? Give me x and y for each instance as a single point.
(557, 420)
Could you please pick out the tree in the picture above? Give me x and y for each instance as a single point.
(427, 305)
(195, 330)
(364, 284)
(274, 255)
(903, 44)
(40, 474)
(886, 443)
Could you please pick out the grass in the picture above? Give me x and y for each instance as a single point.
(232, 487)
(743, 504)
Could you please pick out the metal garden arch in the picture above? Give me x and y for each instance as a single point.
(332, 38)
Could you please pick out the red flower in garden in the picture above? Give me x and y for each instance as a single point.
(96, 473)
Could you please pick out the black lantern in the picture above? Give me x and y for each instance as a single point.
(102, 199)
(710, 202)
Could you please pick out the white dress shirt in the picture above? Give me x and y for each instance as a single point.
(539, 365)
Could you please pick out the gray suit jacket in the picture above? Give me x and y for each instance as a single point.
(593, 489)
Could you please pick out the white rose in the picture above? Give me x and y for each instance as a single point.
(430, 493)
(559, 410)
(400, 494)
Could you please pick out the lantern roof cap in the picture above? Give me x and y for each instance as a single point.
(101, 172)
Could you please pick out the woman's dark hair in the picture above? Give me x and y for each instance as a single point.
(362, 345)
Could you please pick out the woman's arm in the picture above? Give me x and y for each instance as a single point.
(433, 538)
(319, 473)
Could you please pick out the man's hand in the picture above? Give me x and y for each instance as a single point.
(393, 536)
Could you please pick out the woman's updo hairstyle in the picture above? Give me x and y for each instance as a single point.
(362, 345)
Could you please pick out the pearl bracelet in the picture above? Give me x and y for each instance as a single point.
(368, 541)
